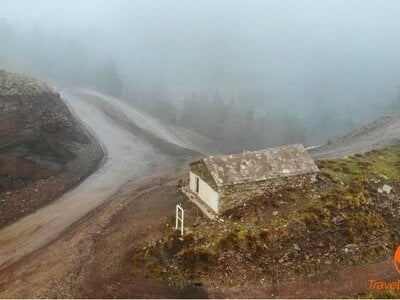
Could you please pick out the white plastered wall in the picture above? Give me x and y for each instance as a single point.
(206, 193)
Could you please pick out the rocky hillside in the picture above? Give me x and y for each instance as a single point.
(351, 216)
(43, 149)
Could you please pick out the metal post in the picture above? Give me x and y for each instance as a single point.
(182, 223)
(176, 216)
(179, 217)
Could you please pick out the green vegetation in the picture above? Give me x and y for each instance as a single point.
(346, 218)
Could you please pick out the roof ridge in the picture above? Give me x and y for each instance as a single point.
(255, 151)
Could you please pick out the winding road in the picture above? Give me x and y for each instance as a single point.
(133, 144)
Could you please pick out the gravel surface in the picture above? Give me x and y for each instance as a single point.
(127, 156)
(113, 210)
(382, 132)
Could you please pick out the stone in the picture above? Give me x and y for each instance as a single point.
(242, 177)
(380, 191)
(387, 189)
(350, 248)
(337, 219)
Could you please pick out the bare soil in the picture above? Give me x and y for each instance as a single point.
(44, 150)
(17, 203)
(93, 257)
(348, 282)
(292, 239)
(129, 157)
(89, 253)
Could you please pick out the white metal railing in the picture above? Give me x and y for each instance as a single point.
(179, 218)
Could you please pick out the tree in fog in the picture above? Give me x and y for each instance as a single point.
(154, 100)
(8, 42)
(396, 103)
(291, 130)
(233, 127)
(108, 80)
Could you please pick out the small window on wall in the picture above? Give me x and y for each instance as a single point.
(197, 184)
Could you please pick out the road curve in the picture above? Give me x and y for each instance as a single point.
(127, 155)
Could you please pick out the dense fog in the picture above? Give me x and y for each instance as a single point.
(247, 74)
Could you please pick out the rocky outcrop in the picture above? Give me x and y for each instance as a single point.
(39, 140)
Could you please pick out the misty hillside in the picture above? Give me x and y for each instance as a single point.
(41, 144)
(199, 149)
(281, 243)
(301, 72)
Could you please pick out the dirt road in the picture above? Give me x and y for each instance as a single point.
(127, 156)
(92, 259)
(382, 132)
(113, 211)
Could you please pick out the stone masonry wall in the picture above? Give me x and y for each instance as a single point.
(234, 195)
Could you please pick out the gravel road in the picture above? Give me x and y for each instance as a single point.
(382, 132)
(128, 155)
(135, 146)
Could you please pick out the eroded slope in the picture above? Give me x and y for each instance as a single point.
(44, 150)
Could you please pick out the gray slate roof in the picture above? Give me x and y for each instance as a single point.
(260, 165)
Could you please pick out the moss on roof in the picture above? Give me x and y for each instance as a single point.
(260, 165)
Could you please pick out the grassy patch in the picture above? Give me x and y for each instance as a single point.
(344, 219)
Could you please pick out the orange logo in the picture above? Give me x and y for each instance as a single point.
(396, 259)
(388, 285)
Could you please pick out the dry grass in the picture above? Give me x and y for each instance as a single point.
(342, 220)
(12, 84)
